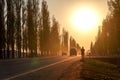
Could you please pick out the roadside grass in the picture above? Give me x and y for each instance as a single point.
(93, 69)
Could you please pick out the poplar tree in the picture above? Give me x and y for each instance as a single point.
(2, 29)
(10, 28)
(18, 4)
(45, 32)
(54, 37)
(36, 12)
(65, 38)
(24, 29)
(32, 24)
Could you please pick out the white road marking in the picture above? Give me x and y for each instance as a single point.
(34, 70)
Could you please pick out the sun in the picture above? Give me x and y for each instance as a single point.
(85, 19)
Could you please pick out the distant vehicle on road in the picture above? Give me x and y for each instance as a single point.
(73, 52)
(64, 54)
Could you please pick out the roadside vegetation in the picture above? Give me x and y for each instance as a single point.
(93, 69)
(98, 69)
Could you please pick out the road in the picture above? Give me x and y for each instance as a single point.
(45, 68)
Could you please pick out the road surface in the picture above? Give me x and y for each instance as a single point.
(46, 68)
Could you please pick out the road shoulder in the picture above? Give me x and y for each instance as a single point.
(91, 69)
(72, 72)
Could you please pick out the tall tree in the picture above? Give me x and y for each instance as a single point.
(72, 43)
(109, 40)
(18, 4)
(40, 34)
(24, 29)
(2, 28)
(45, 24)
(36, 13)
(10, 28)
(54, 37)
(32, 24)
(114, 7)
(25, 41)
(65, 38)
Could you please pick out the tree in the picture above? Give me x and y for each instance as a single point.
(108, 41)
(65, 37)
(10, 27)
(25, 41)
(54, 37)
(114, 7)
(32, 24)
(40, 33)
(72, 42)
(36, 23)
(24, 29)
(45, 29)
(18, 4)
(2, 29)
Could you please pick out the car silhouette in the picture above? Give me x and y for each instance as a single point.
(73, 52)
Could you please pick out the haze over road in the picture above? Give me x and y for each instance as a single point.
(45, 68)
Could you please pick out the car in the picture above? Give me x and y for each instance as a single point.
(64, 54)
(73, 52)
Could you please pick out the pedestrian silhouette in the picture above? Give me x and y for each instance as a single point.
(82, 53)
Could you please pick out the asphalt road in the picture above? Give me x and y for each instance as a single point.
(45, 68)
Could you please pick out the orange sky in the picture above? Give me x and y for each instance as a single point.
(63, 9)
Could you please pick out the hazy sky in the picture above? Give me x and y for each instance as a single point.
(64, 9)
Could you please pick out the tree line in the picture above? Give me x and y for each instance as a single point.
(26, 30)
(108, 39)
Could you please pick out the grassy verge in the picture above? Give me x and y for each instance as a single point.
(94, 69)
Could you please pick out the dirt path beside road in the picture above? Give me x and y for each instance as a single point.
(92, 69)
(72, 72)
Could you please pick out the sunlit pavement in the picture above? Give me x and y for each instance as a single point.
(47, 68)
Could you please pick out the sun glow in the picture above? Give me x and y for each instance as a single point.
(85, 19)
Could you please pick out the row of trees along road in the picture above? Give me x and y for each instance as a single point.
(108, 39)
(26, 30)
